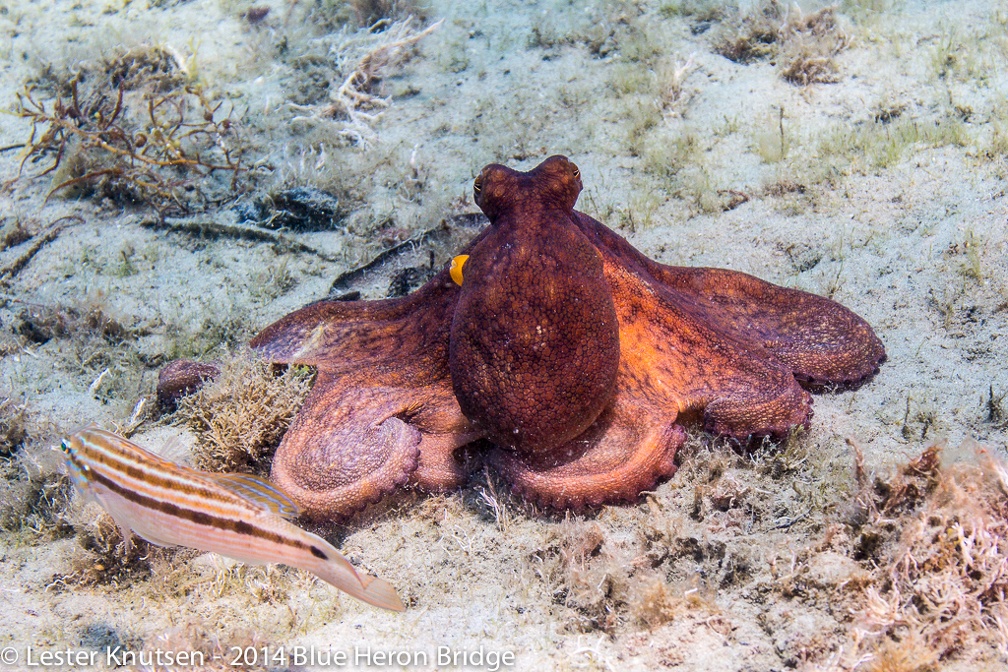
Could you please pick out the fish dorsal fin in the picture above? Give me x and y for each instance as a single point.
(259, 491)
(175, 450)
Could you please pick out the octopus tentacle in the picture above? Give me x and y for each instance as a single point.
(344, 452)
(381, 412)
(338, 335)
(822, 342)
(444, 429)
(355, 442)
(740, 416)
(681, 361)
(628, 449)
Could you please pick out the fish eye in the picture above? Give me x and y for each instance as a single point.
(64, 446)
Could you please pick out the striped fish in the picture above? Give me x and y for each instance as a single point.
(237, 515)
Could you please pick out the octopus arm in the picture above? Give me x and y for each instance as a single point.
(340, 335)
(345, 449)
(381, 413)
(361, 436)
(628, 449)
(823, 343)
(688, 363)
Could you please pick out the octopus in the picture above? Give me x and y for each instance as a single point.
(566, 360)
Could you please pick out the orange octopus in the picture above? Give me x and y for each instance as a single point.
(573, 357)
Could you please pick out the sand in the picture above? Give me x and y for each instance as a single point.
(879, 181)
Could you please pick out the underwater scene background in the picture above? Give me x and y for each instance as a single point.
(178, 175)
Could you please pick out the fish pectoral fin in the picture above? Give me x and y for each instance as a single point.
(127, 533)
(259, 492)
(121, 518)
(154, 539)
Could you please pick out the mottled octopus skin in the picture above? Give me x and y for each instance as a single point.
(182, 377)
(575, 355)
(534, 346)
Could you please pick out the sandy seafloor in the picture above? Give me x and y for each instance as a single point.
(912, 235)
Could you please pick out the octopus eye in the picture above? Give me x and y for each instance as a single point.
(455, 270)
(577, 173)
(478, 184)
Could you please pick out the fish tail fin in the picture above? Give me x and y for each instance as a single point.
(337, 571)
(380, 593)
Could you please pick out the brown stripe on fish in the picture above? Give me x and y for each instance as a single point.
(172, 478)
(169, 481)
(202, 517)
(238, 515)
